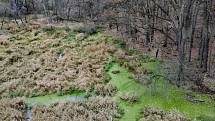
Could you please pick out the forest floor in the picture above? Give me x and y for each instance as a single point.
(78, 73)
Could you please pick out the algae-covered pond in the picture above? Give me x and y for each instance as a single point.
(132, 111)
(47, 100)
(174, 100)
(55, 98)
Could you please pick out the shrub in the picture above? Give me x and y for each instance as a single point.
(49, 30)
(130, 97)
(118, 42)
(146, 59)
(155, 114)
(80, 36)
(107, 78)
(116, 72)
(67, 29)
(87, 29)
(70, 37)
(105, 90)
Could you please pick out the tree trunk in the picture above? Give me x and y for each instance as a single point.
(183, 35)
(204, 50)
(194, 19)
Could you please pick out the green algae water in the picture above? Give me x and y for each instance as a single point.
(132, 111)
(173, 101)
(47, 100)
(55, 98)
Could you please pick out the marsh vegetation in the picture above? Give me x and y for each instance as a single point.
(107, 60)
(95, 77)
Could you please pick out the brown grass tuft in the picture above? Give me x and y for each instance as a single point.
(97, 109)
(12, 109)
(154, 114)
(48, 65)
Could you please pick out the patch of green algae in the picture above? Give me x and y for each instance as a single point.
(54, 98)
(175, 98)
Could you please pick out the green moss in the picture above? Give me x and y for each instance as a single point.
(167, 98)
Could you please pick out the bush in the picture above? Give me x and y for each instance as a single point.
(49, 30)
(146, 59)
(80, 36)
(105, 90)
(118, 42)
(88, 29)
(130, 97)
(70, 37)
(67, 29)
(155, 114)
(107, 78)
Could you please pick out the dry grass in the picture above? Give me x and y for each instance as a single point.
(36, 64)
(105, 90)
(130, 97)
(154, 114)
(36, 61)
(12, 109)
(4, 40)
(96, 109)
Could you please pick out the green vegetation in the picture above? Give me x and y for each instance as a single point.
(174, 100)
